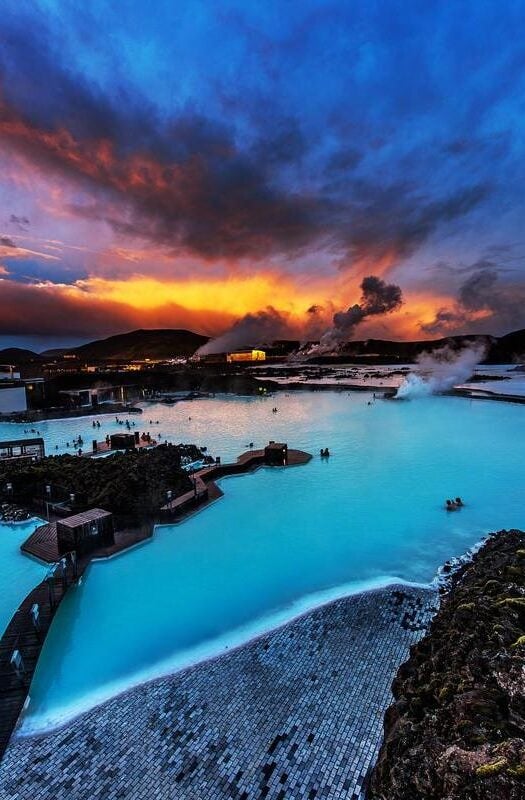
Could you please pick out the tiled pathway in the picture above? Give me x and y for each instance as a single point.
(294, 715)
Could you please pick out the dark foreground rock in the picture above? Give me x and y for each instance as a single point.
(456, 730)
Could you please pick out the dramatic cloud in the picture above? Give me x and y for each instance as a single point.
(484, 302)
(20, 223)
(323, 142)
(185, 181)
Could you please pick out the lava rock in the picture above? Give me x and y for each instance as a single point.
(456, 730)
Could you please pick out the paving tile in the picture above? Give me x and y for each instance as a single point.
(294, 715)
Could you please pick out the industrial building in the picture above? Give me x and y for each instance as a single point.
(244, 356)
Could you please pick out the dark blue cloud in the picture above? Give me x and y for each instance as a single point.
(367, 129)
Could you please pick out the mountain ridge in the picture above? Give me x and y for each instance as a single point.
(166, 343)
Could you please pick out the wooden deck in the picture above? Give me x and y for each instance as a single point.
(105, 448)
(23, 637)
(43, 544)
(206, 490)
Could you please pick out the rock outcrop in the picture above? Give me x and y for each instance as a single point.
(456, 730)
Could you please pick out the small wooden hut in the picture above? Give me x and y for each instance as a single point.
(85, 532)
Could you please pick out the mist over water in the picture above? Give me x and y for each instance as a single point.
(440, 371)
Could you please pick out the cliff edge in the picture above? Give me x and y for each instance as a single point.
(456, 730)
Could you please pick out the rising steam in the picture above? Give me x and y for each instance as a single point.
(377, 298)
(265, 326)
(253, 330)
(440, 371)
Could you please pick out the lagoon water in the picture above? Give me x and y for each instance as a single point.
(281, 541)
(18, 574)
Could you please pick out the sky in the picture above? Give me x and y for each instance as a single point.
(202, 164)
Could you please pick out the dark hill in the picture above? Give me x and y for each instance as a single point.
(17, 355)
(509, 348)
(155, 344)
(503, 350)
(409, 350)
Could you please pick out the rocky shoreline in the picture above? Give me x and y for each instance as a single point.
(456, 729)
(9, 512)
(40, 415)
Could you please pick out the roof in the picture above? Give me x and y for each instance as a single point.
(18, 442)
(275, 446)
(84, 517)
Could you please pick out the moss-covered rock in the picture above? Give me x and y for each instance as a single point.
(456, 727)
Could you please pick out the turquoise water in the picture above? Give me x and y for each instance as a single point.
(280, 541)
(18, 574)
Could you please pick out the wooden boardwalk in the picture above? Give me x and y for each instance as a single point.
(22, 642)
(43, 544)
(205, 489)
(25, 638)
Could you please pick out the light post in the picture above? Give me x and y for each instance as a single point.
(9, 489)
(48, 498)
(50, 580)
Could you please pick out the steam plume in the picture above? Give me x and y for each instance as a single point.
(440, 371)
(262, 327)
(377, 298)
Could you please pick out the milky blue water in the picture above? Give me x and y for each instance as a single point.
(18, 574)
(280, 541)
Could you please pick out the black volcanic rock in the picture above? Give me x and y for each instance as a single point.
(456, 729)
(141, 344)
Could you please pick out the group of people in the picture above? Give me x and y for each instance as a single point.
(324, 452)
(275, 410)
(453, 505)
(96, 423)
(33, 430)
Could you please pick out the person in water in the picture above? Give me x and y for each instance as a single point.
(451, 506)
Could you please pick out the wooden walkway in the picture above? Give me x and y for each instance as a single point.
(43, 544)
(205, 489)
(23, 640)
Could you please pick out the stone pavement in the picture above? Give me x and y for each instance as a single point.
(294, 715)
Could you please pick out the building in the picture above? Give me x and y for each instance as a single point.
(9, 372)
(91, 397)
(85, 532)
(276, 454)
(18, 450)
(246, 355)
(124, 441)
(80, 391)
